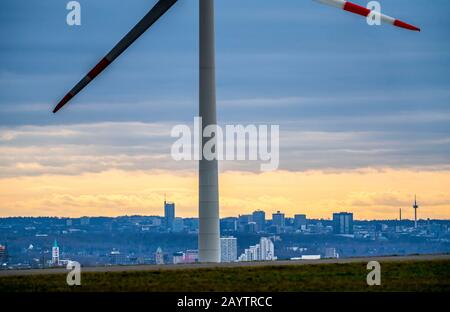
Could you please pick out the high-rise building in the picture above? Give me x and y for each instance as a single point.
(55, 253)
(264, 251)
(169, 214)
(278, 219)
(259, 217)
(228, 249)
(267, 249)
(343, 223)
(299, 221)
(243, 220)
(228, 225)
(254, 253)
(159, 256)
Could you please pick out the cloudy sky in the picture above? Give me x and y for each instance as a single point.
(364, 112)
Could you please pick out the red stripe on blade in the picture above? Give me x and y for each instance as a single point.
(98, 68)
(65, 99)
(357, 9)
(401, 24)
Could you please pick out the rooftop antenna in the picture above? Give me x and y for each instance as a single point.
(209, 234)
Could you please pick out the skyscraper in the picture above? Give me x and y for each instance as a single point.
(278, 219)
(169, 214)
(343, 223)
(228, 225)
(259, 217)
(55, 253)
(228, 249)
(267, 249)
(243, 220)
(299, 220)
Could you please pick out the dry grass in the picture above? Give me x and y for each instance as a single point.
(396, 276)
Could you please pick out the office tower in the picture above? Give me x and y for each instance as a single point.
(228, 225)
(278, 219)
(259, 217)
(228, 249)
(267, 249)
(244, 219)
(415, 206)
(169, 214)
(55, 253)
(177, 225)
(299, 220)
(343, 223)
(159, 256)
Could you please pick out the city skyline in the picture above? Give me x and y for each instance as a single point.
(169, 215)
(49, 242)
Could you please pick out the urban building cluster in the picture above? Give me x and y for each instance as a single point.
(168, 239)
(264, 251)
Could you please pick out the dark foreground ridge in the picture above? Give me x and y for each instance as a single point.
(412, 273)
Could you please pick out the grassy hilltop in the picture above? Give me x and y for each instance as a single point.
(396, 276)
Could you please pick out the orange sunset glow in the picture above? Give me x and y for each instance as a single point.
(368, 193)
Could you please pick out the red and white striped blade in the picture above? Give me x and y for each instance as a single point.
(360, 10)
(161, 7)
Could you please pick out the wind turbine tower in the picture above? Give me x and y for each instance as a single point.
(209, 234)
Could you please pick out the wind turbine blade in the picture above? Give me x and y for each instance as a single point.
(360, 10)
(161, 7)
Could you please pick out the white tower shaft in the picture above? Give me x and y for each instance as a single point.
(209, 234)
(415, 206)
(415, 216)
